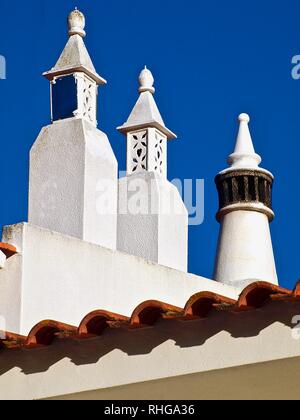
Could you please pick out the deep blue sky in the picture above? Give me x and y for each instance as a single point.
(211, 60)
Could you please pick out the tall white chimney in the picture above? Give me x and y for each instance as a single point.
(245, 252)
(73, 170)
(152, 221)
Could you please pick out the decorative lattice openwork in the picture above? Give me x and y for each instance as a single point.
(147, 151)
(139, 149)
(159, 152)
(89, 100)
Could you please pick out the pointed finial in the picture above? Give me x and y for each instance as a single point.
(76, 23)
(244, 118)
(244, 155)
(146, 81)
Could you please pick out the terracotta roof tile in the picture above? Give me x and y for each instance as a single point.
(8, 250)
(297, 289)
(44, 333)
(147, 313)
(200, 305)
(257, 294)
(96, 322)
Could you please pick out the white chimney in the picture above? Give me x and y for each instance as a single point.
(152, 221)
(245, 252)
(73, 170)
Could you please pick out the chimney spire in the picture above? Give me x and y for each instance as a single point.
(75, 57)
(146, 132)
(156, 240)
(244, 155)
(73, 170)
(245, 252)
(74, 81)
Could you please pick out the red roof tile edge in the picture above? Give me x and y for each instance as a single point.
(7, 249)
(148, 313)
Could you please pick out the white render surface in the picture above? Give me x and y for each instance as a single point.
(2, 259)
(62, 278)
(152, 220)
(245, 252)
(72, 170)
(144, 112)
(74, 56)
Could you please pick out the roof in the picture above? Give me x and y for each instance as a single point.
(145, 112)
(199, 306)
(75, 58)
(8, 250)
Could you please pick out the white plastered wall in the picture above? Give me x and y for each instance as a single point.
(63, 278)
(245, 251)
(71, 165)
(159, 234)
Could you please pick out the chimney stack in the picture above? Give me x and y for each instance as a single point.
(245, 252)
(152, 220)
(73, 170)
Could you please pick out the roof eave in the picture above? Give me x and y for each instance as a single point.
(127, 128)
(69, 70)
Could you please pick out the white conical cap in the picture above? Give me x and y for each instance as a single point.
(244, 155)
(145, 112)
(75, 57)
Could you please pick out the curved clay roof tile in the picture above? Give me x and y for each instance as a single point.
(44, 332)
(201, 304)
(297, 289)
(96, 322)
(8, 250)
(147, 313)
(257, 294)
